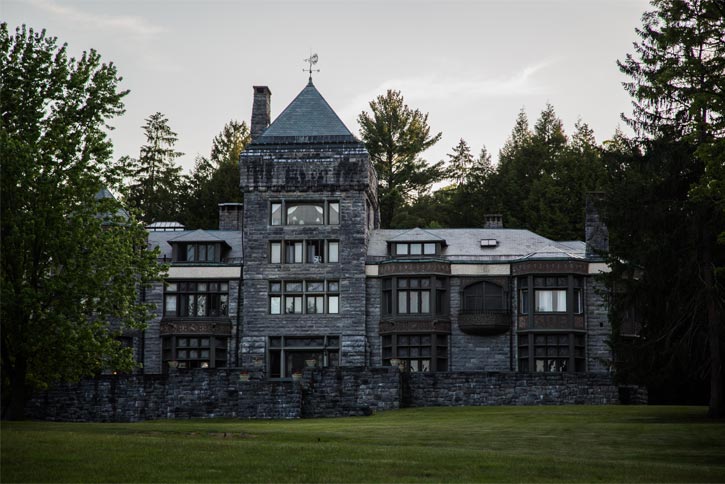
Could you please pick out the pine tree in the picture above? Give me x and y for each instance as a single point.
(666, 207)
(395, 136)
(156, 186)
(216, 180)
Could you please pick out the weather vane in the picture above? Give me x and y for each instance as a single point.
(311, 61)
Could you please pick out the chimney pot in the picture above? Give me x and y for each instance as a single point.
(493, 221)
(596, 233)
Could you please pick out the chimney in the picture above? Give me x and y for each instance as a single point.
(493, 221)
(596, 234)
(260, 110)
(230, 216)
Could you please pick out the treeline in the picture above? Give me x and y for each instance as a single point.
(159, 191)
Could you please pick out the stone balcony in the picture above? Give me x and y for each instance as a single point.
(484, 322)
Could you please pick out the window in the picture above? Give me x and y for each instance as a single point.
(305, 213)
(551, 352)
(551, 294)
(304, 251)
(196, 299)
(195, 351)
(304, 297)
(415, 248)
(484, 297)
(414, 295)
(550, 301)
(288, 354)
(198, 252)
(420, 352)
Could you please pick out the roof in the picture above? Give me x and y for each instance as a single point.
(171, 226)
(198, 235)
(104, 193)
(163, 240)
(465, 244)
(308, 118)
(417, 235)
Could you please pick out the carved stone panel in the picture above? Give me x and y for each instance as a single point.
(431, 326)
(221, 328)
(428, 267)
(550, 266)
(551, 321)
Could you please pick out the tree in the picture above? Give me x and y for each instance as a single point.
(395, 136)
(71, 261)
(156, 186)
(678, 87)
(216, 180)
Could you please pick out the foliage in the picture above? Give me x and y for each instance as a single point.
(666, 204)
(71, 261)
(216, 180)
(156, 186)
(395, 136)
(621, 443)
(543, 176)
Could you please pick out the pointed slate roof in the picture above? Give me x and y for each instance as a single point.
(308, 118)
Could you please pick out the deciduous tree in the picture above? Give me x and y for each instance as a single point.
(71, 261)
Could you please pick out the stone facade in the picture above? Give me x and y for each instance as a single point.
(301, 271)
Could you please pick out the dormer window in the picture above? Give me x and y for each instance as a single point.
(199, 252)
(415, 248)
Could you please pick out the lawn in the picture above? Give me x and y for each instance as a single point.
(500, 444)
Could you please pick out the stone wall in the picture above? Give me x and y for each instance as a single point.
(330, 392)
(343, 392)
(480, 388)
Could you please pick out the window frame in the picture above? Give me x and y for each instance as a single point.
(217, 347)
(283, 246)
(409, 348)
(392, 290)
(282, 348)
(330, 212)
(281, 294)
(179, 291)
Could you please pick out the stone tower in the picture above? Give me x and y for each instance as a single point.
(310, 202)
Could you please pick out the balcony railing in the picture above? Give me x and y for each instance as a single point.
(484, 322)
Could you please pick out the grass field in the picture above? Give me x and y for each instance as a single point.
(500, 444)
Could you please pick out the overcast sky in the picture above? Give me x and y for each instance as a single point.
(472, 65)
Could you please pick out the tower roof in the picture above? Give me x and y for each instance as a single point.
(307, 119)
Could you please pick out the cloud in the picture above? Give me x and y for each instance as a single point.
(436, 88)
(127, 24)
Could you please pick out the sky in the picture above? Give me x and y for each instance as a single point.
(472, 65)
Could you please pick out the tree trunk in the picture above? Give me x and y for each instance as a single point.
(18, 393)
(714, 333)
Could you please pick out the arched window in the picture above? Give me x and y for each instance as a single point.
(483, 296)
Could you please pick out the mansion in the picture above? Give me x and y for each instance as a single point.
(301, 271)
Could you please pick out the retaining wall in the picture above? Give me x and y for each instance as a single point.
(331, 392)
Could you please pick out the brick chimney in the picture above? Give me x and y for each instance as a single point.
(260, 110)
(596, 234)
(230, 216)
(493, 221)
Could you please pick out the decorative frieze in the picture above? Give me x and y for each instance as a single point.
(221, 328)
(420, 326)
(549, 267)
(417, 267)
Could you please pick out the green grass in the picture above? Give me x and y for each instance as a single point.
(500, 444)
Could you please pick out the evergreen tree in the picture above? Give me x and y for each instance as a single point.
(71, 261)
(395, 136)
(460, 163)
(157, 186)
(665, 207)
(216, 180)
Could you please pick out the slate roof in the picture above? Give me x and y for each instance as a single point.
(417, 235)
(465, 244)
(232, 238)
(308, 118)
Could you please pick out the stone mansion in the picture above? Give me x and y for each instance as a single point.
(301, 271)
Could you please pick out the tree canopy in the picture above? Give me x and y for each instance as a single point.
(156, 186)
(72, 259)
(665, 206)
(395, 135)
